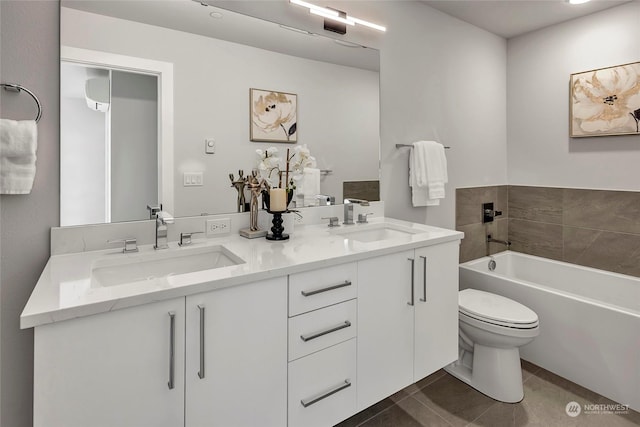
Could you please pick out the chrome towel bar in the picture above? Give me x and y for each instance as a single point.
(411, 146)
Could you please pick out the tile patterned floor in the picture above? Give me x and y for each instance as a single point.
(442, 400)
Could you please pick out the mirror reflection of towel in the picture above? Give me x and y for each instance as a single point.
(309, 186)
(18, 145)
(427, 173)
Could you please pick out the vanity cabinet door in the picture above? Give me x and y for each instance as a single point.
(385, 327)
(436, 308)
(236, 367)
(112, 369)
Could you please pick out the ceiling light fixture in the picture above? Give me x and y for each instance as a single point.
(578, 1)
(336, 15)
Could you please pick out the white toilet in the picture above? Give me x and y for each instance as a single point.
(492, 328)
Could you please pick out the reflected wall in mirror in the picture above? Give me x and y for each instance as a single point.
(338, 102)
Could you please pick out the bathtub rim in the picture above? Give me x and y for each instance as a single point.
(469, 266)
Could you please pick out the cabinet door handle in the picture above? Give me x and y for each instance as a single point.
(424, 278)
(324, 395)
(412, 302)
(329, 288)
(201, 371)
(172, 349)
(315, 335)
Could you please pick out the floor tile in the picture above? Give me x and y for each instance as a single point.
(454, 400)
(442, 400)
(425, 381)
(407, 413)
(374, 410)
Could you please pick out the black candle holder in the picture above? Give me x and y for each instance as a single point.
(277, 229)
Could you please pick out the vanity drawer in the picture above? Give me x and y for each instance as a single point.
(322, 387)
(318, 288)
(322, 328)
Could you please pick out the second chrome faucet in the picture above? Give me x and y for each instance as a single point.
(163, 219)
(348, 209)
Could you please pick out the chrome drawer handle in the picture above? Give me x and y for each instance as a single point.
(413, 301)
(172, 349)
(318, 398)
(424, 278)
(315, 335)
(330, 288)
(201, 371)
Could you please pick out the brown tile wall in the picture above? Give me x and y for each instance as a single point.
(365, 190)
(469, 220)
(595, 228)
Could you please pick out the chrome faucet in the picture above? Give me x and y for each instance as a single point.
(162, 220)
(503, 242)
(348, 209)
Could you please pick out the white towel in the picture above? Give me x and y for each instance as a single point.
(427, 173)
(309, 186)
(18, 145)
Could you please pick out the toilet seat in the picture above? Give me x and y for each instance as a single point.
(496, 310)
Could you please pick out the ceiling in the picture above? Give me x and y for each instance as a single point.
(510, 18)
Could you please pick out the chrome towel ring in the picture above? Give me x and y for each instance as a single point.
(11, 87)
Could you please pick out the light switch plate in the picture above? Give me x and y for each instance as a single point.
(193, 179)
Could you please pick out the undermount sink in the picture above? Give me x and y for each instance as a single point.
(160, 265)
(367, 233)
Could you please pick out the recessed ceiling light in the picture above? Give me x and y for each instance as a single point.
(216, 15)
(578, 1)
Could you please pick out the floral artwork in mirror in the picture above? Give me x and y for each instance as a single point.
(606, 101)
(273, 116)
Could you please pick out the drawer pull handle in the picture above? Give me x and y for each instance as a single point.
(201, 371)
(321, 290)
(172, 349)
(424, 278)
(318, 398)
(306, 338)
(412, 302)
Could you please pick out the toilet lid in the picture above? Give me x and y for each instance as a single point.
(496, 308)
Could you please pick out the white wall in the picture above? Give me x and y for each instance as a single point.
(440, 78)
(338, 107)
(540, 151)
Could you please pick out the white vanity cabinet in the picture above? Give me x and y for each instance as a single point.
(236, 356)
(149, 366)
(403, 336)
(112, 369)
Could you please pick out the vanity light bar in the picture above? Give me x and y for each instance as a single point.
(334, 15)
(333, 18)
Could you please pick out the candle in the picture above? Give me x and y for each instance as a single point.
(277, 200)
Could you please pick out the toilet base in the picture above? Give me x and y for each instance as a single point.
(495, 372)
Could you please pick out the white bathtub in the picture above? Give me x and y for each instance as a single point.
(589, 319)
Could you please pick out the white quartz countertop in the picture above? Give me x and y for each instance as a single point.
(65, 290)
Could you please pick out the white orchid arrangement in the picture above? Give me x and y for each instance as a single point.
(269, 168)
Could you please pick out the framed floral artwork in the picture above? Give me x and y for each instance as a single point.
(274, 116)
(606, 101)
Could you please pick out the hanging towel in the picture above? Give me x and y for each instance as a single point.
(18, 144)
(309, 186)
(427, 173)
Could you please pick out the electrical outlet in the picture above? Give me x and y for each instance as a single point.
(218, 226)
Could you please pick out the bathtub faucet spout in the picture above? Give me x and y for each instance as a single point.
(503, 242)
